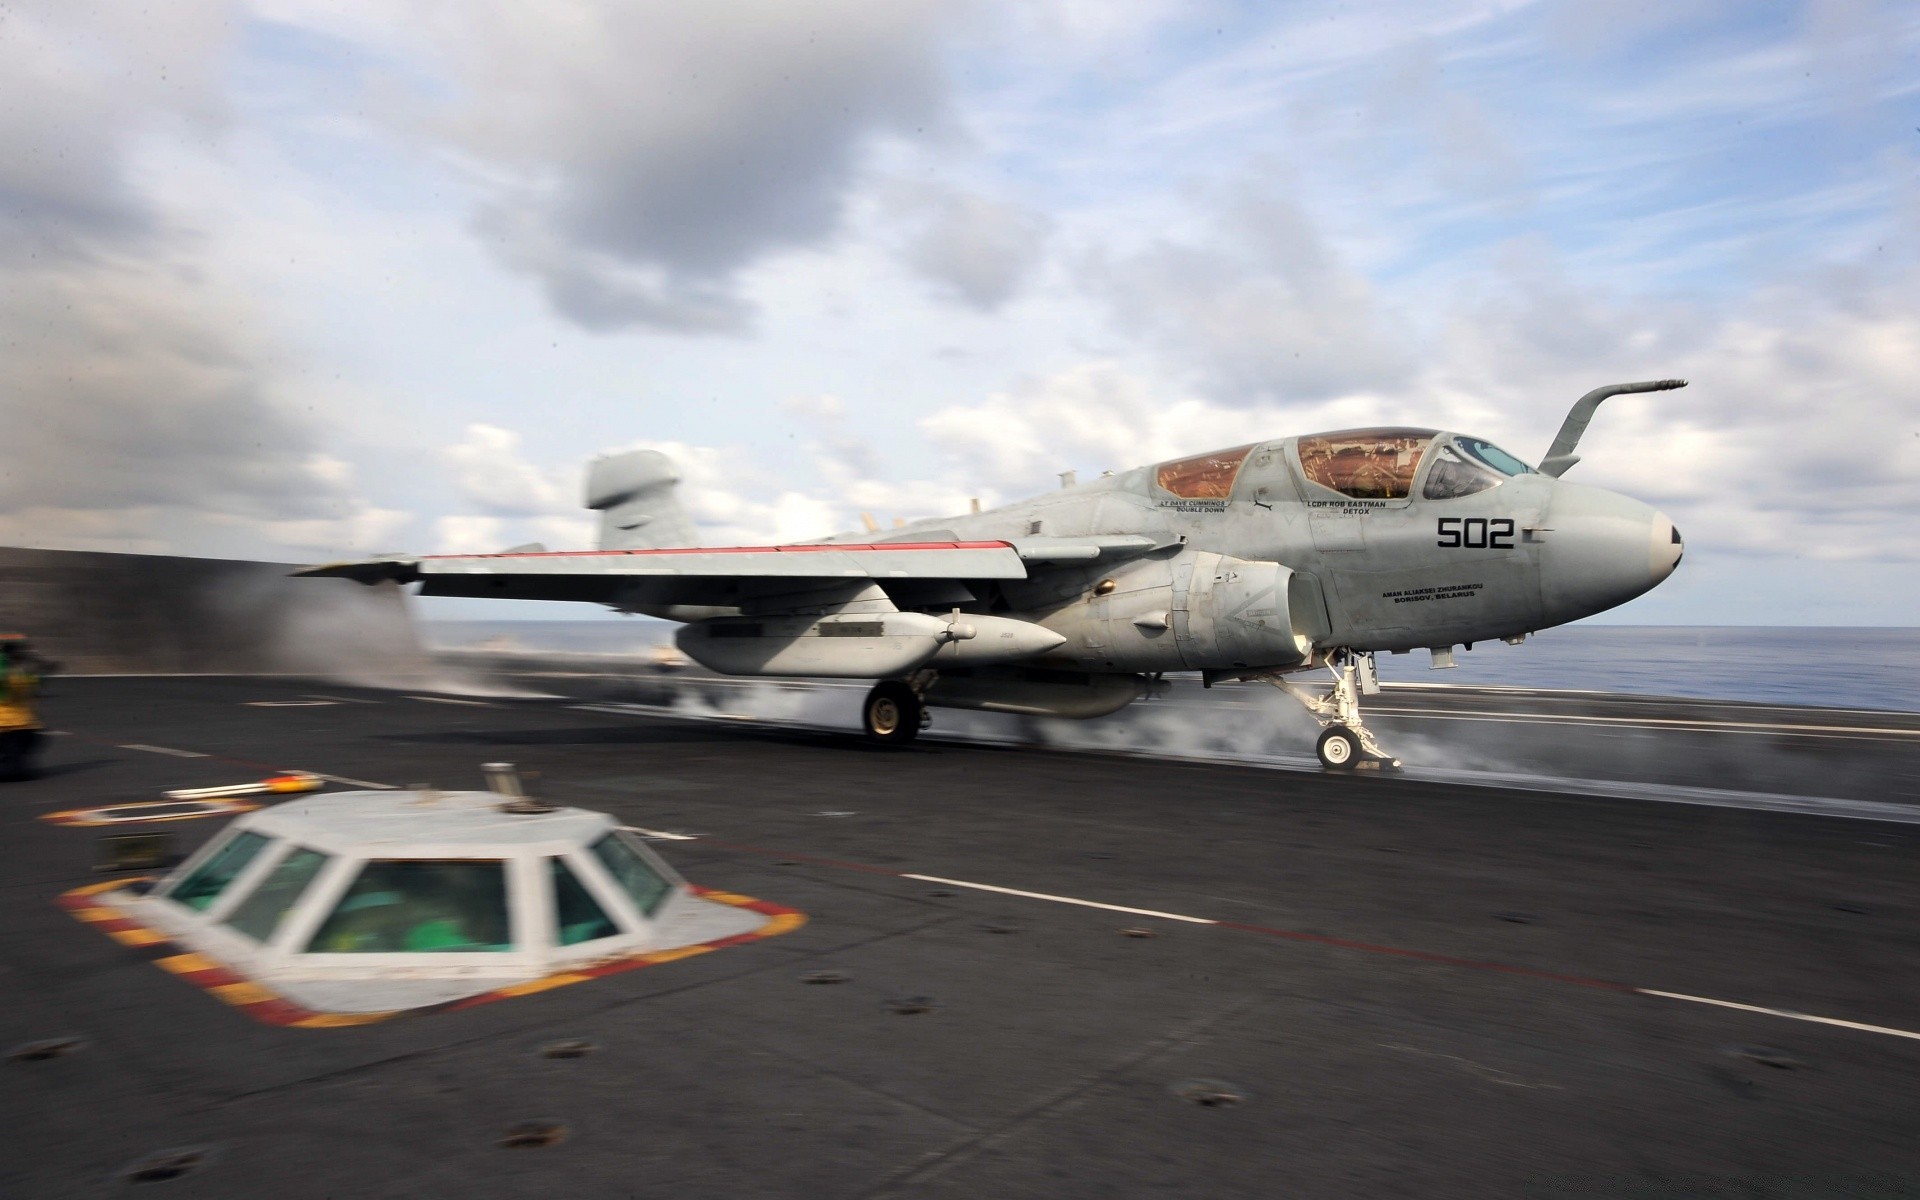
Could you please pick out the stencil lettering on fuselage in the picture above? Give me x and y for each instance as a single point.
(1341, 524)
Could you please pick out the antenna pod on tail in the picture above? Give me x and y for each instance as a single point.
(635, 495)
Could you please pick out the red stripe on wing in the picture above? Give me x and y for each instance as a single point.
(740, 550)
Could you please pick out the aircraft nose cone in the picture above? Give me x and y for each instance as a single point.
(1667, 546)
(1601, 550)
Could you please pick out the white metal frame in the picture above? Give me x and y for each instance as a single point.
(532, 915)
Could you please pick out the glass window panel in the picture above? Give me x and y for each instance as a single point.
(1494, 456)
(646, 885)
(411, 907)
(260, 914)
(200, 889)
(577, 914)
(1367, 464)
(1453, 474)
(1205, 476)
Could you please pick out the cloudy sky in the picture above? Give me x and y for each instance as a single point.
(297, 278)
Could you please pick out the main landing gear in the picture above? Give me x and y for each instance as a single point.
(1346, 743)
(893, 713)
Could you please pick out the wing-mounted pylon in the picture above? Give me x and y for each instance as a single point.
(1105, 548)
(1560, 455)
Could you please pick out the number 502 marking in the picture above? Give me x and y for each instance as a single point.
(1477, 533)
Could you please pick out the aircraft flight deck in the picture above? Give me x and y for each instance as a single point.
(1009, 971)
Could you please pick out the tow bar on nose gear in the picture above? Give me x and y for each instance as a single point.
(1346, 744)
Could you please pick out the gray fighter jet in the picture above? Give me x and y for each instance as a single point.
(1308, 553)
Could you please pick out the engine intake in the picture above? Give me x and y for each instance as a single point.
(1195, 611)
(1240, 613)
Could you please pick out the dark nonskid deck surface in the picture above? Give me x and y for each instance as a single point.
(1486, 734)
(1022, 974)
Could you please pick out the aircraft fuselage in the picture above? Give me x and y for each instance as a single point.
(1401, 565)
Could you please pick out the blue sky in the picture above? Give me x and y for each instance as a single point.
(296, 279)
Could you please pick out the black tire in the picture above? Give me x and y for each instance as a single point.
(891, 713)
(18, 748)
(1339, 748)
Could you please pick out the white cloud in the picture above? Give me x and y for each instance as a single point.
(1101, 416)
(634, 157)
(977, 250)
(1450, 131)
(1096, 414)
(734, 499)
(142, 405)
(80, 82)
(490, 476)
(517, 502)
(139, 412)
(1263, 306)
(1805, 435)
(1799, 434)
(736, 502)
(242, 299)
(464, 534)
(362, 529)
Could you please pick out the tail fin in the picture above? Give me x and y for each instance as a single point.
(634, 494)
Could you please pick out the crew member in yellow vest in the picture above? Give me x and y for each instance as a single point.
(19, 725)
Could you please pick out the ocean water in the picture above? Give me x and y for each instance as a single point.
(1836, 667)
(1873, 668)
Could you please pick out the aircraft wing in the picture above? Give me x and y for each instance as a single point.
(721, 576)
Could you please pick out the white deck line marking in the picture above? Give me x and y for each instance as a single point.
(1696, 701)
(660, 834)
(365, 783)
(1788, 1014)
(1813, 806)
(1782, 1012)
(164, 750)
(622, 709)
(451, 700)
(1657, 724)
(1119, 908)
(1698, 724)
(796, 683)
(341, 699)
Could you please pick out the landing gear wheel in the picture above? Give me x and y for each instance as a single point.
(892, 713)
(1347, 744)
(1339, 748)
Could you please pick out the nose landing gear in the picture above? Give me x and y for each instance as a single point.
(1346, 743)
(1338, 747)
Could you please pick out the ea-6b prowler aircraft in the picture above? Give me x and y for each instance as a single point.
(1254, 563)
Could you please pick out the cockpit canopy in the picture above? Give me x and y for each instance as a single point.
(1367, 464)
(1382, 464)
(1464, 465)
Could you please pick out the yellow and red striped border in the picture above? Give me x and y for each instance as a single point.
(264, 1004)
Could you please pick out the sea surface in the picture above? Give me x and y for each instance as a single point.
(1864, 667)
